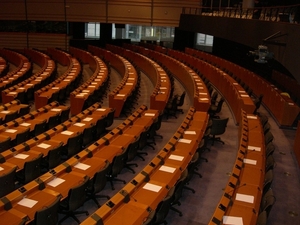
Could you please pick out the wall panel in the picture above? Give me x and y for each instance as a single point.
(13, 40)
(132, 12)
(12, 10)
(86, 11)
(50, 10)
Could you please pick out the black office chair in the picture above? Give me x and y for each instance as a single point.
(21, 137)
(48, 215)
(191, 171)
(109, 118)
(100, 128)
(163, 208)
(131, 154)
(268, 181)
(54, 97)
(150, 136)
(150, 218)
(180, 102)
(171, 108)
(267, 128)
(215, 109)
(53, 158)
(64, 115)
(62, 96)
(31, 170)
(268, 137)
(117, 166)
(73, 146)
(7, 182)
(142, 144)
(270, 148)
(24, 110)
(257, 103)
(158, 125)
(97, 184)
(53, 121)
(267, 202)
(270, 163)
(262, 218)
(39, 128)
(213, 98)
(178, 191)
(5, 144)
(263, 119)
(75, 199)
(88, 136)
(11, 116)
(218, 127)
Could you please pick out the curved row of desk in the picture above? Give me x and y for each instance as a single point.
(12, 109)
(3, 66)
(281, 107)
(94, 86)
(242, 195)
(234, 94)
(22, 70)
(144, 192)
(193, 84)
(160, 80)
(57, 182)
(24, 91)
(63, 84)
(130, 78)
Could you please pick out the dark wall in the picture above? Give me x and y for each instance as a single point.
(183, 39)
(251, 33)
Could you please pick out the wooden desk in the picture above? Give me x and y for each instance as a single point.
(167, 173)
(246, 214)
(89, 166)
(45, 146)
(108, 152)
(20, 159)
(134, 212)
(13, 216)
(70, 180)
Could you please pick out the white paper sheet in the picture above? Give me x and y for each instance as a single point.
(11, 131)
(79, 124)
(29, 203)
(66, 132)
(21, 156)
(87, 119)
(232, 220)
(120, 95)
(25, 124)
(85, 91)
(253, 148)
(202, 93)
(186, 141)
(251, 117)
(1, 168)
(190, 132)
(43, 145)
(152, 187)
(244, 96)
(101, 109)
(244, 198)
(176, 157)
(167, 169)
(149, 114)
(82, 166)
(250, 161)
(5, 111)
(55, 110)
(55, 182)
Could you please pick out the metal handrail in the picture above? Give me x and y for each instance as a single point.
(290, 14)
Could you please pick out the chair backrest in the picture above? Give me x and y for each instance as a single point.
(100, 178)
(11, 116)
(74, 145)
(267, 202)
(263, 119)
(64, 115)
(100, 127)
(191, 167)
(32, 169)
(53, 121)
(262, 218)
(268, 181)
(181, 99)
(179, 186)
(77, 195)
(110, 118)
(219, 106)
(268, 137)
(88, 135)
(218, 126)
(54, 156)
(270, 162)
(213, 98)
(270, 149)
(266, 127)
(7, 182)
(40, 128)
(24, 110)
(5, 144)
(48, 215)
(150, 218)
(22, 137)
(143, 139)
(163, 207)
(132, 150)
(118, 163)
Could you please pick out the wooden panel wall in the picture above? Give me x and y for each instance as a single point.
(13, 40)
(50, 10)
(12, 10)
(140, 12)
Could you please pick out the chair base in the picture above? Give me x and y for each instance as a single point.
(112, 179)
(216, 139)
(140, 153)
(72, 214)
(128, 166)
(176, 210)
(189, 188)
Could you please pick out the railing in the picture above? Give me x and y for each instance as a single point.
(290, 14)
